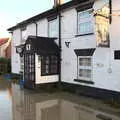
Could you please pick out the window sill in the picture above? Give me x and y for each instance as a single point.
(49, 74)
(84, 34)
(84, 81)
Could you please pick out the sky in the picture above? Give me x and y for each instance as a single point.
(15, 11)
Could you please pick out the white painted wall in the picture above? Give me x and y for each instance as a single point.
(69, 58)
(103, 58)
(15, 58)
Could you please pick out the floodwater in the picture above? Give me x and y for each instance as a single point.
(21, 104)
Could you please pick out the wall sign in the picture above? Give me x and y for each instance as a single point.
(28, 47)
(67, 44)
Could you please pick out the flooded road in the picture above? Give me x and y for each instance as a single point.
(20, 104)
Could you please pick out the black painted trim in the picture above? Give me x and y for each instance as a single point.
(84, 52)
(49, 74)
(90, 91)
(47, 85)
(52, 17)
(84, 81)
(84, 34)
(110, 5)
(84, 7)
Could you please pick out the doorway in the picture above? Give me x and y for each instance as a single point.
(29, 70)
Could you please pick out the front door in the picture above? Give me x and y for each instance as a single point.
(29, 70)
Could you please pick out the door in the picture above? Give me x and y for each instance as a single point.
(29, 70)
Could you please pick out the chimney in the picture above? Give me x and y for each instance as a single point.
(58, 2)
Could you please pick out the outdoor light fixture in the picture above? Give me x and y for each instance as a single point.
(19, 49)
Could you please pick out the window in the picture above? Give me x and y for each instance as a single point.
(23, 34)
(85, 25)
(53, 28)
(84, 67)
(117, 55)
(49, 65)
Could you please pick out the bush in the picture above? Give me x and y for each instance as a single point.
(5, 65)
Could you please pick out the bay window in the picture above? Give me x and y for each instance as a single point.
(49, 65)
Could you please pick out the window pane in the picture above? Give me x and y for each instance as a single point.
(49, 65)
(53, 28)
(85, 14)
(85, 73)
(84, 61)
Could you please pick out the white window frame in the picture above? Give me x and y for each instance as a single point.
(23, 34)
(85, 68)
(57, 27)
(83, 21)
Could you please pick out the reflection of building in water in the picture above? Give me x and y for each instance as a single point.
(31, 106)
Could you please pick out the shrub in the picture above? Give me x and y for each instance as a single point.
(5, 65)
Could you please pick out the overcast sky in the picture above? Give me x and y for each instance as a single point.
(14, 11)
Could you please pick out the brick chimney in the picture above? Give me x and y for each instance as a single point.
(58, 2)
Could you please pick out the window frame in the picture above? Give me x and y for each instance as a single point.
(84, 68)
(87, 20)
(49, 22)
(23, 33)
(50, 65)
(117, 55)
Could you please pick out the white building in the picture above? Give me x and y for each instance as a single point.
(89, 39)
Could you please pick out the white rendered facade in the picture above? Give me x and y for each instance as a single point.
(105, 70)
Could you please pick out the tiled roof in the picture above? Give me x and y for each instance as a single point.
(3, 41)
(42, 45)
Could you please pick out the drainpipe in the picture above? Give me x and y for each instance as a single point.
(36, 26)
(59, 17)
(110, 5)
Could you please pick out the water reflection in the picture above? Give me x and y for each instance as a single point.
(5, 100)
(19, 104)
(42, 106)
